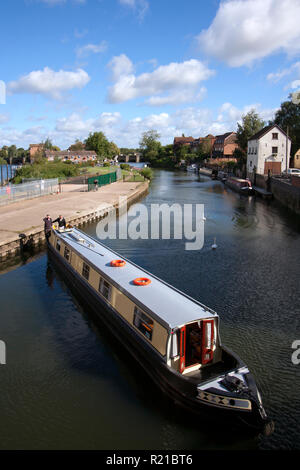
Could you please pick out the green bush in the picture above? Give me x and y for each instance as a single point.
(125, 166)
(147, 173)
(106, 164)
(46, 170)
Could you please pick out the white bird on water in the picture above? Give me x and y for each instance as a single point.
(214, 245)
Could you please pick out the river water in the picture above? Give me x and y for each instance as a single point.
(68, 384)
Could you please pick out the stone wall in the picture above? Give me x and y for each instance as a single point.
(287, 194)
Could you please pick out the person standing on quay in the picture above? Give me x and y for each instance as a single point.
(61, 221)
(47, 227)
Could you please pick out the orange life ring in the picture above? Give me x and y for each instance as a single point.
(117, 263)
(141, 281)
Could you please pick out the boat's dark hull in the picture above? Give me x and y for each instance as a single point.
(181, 390)
(244, 191)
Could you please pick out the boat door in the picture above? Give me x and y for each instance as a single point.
(182, 348)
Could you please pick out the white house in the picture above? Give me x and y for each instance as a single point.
(268, 149)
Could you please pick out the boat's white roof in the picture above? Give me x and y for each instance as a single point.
(172, 307)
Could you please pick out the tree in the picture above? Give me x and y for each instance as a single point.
(77, 146)
(12, 152)
(48, 144)
(113, 149)
(251, 123)
(99, 143)
(289, 116)
(150, 145)
(204, 149)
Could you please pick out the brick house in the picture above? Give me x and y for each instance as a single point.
(268, 150)
(34, 149)
(208, 138)
(225, 145)
(180, 141)
(297, 159)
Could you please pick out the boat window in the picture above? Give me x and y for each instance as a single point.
(175, 344)
(67, 253)
(58, 245)
(143, 323)
(86, 271)
(105, 289)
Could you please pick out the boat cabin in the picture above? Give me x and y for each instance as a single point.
(182, 331)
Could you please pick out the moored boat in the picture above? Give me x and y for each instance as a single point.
(172, 336)
(222, 176)
(192, 168)
(240, 185)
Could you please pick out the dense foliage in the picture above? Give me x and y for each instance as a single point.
(147, 173)
(288, 118)
(251, 124)
(99, 143)
(45, 170)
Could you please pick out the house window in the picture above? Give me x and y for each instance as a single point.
(250, 164)
(105, 289)
(275, 150)
(86, 271)
(58, 245)
(143, 323)
(275, 135)
(67, 253)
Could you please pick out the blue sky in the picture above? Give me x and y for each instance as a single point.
(126, 66)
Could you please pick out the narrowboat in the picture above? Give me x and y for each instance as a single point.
(172, 336)
(222, 176)
(192, 168)
(240, 185)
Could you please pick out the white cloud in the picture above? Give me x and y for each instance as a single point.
(165, 85)
(4, 118)
(139, 6)
(91, 49)
(127, 133)
(230, 115)
(246, 30)
(177, 98)
(295, 84)
(49, 83)
(293, 70)
(120, 65)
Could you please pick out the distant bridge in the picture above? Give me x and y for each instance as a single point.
(133, 157)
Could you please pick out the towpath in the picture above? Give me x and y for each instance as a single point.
(73, 203)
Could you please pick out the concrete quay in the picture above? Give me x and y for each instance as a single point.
(76, 204)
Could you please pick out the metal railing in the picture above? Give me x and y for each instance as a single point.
(19, 192)
(96, 182)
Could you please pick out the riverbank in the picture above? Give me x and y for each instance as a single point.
(77, 206)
